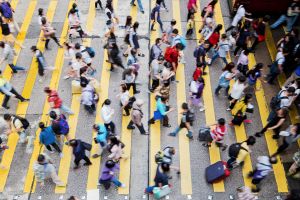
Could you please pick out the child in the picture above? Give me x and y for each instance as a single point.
(190, 26)
(222, 50)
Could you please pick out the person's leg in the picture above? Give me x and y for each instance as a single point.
(128, 85)
(229, 28)
(166, 121)
(5, 101)
(132, 2)
(49, 148)
(77, 161)
(140, 6)
(130, 125)
(141, 128)
(155, 84)
(279, 21)
(217, 90)
(190, 134)
(134, 88)
(160, 24)
(66, 109)
(15, 68)
(214, 57)
(230, 162)
(259, 134)
(273, 76)
(224, 60)
(232, 103)
(18, 96)
(175, 132)
(89, 109)
(112, 127)
(152, 25)
(255, 43)
(115, 181)
(151, 121)
(56, 179)
(87, 160)
(281, 148)
(47, 43)
(56, 40)
(127, 110)
(56, 147)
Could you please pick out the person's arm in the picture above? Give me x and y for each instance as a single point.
(195, 7)
(277, 125)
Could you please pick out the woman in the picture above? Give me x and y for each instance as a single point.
(243, 61)
(161, 177)
(137, 116)
(260, 31)
(75, 24)
(124, 98)
(41, 14)
(115, 147)
(239, 110)
(214, 37)
(101, 138)
(243, 38)
(107, 113)
(49, 33)
(225, 78)
(129, 77)
(108, 175)
(196, 91)
(133, 39)
(285, 42)
(79, 148)
(274, 123)
(254, 74)
(237, 90)
(7, 36)
(89, 97)
(290, 136)
(167, 74)
(208, 10)
(114, 57)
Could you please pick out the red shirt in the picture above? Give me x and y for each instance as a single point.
(197, 73)
(214, 38)
(191, 3)
(172, 55)
(53, 97)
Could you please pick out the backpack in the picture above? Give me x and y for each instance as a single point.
(198, 50)
(234, 149)
(25, 123)
(190, 116)
(276, 100)
(63, 125)
(159, 156)
(90, 51)
(6, 10)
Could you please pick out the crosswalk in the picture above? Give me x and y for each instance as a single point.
(126, 166)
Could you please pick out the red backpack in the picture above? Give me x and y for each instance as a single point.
(171, 55)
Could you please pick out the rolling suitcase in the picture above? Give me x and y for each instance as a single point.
(216, 172)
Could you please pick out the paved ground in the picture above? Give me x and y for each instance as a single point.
(136, 170)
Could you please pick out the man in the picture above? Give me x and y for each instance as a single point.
(60, 127)
(79, 148)
(7, 89)
(8, 55)
(140, 5)
(155, 71)
(172, 55)
(200, 54)
(137, 116)
(16, 124)
(186, 121)
(56, 102)
(290, 17)
(161, 112)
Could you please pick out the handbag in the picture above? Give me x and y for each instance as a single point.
(159, 193)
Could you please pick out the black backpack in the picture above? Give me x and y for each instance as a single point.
(276, 100)
(25, 122)
(243, 69)
(190, 116)
(234, 149)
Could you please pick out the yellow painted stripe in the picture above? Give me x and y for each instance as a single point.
(214, 153)
(155, 134)
(240, 132)
(65, 162)
(271, 143)
(54, 85)
(184, 143)
(13, 138)
(126, 137)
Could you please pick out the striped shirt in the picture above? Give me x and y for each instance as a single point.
(218, 133)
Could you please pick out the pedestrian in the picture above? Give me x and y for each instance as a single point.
(47, 138)
(127, 27)
(162, 3)
(225, 78)
(294, 170)
(129, 78)
(254, 74)
(56, 102)
(274, 123)
(75, 24)
(16, 124)
(114, 56)
(139, 4)
(155, 72)
(206, 30)
(236, 91)
(240, 152)
(79, 148)
(167, 36)
(107, 114)
(200, 54)
(111, 17)
(217, 133)
(167, 158)
(190, 27)
(42, 64)
(187, 120)
(60, 127)
(243, 38)
(214, 38)
(222, 50)
(239, 110)
(132, 58)
(238, 17)
(98, 2)
(163, 91)
(196, 92)
(89, 97)
(155, 17)
(115, 147)
(198, 71)
(124, 99)
(69, 52)
(192, 8)
(260, 31)
(243, 61)
(101, 138)
(9, 91)
(7, 35)
(108, 175)
(156, 50)
(290, 136)
(137, 116)
(262, 170)
(161, 112)
(161, 177)
(49, 33)
(44, 169)
(208, 11)
(76, 65)
(172, 55)
(167, 74)
(290, 16)
(133, 39)
(8, 55)
(86, 56)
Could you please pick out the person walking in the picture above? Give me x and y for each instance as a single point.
(139, 4)
(47, 138)
(60, 127)
(108, 175)
(107, 114)
(79, 148)
(161, 112)
(89, 97)
(9, 91)
(115, 147)
(124, 99)
(49, 33)
(239, 111)
(187, 120)
(222, 50)
(225, 78)
(243, 38)
(101, 138)
(17, 124)
(44, 169)
(7, 35)
(56, 102)
(137, 116)
(161, 177)
(9, 13)
(129, 78)
(240, 14)
(155, 72)
(133, 39)
(155, 17)
(196, 92)
(8, 55)
(192, 8)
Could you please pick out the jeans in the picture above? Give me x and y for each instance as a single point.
(190, 133)
(16, 68)
(215, 56)
(55, 146)
(290, 22)
(139, 3)
(219, 88)
(160, 24)
(66, 109)
(115, 181)
(7, 97)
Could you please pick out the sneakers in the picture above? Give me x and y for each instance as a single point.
(202, 109)
(228, 109)
(258, 134)
(172, 134)
(122, 185)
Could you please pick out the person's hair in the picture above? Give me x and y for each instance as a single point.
(165, 167)
(175, 31)
(128, 21)
(285, 50)
(266, 18)
(74, 5)
(172, 150)
(157, 40)
(73, 142)
(44, 20)
(224, 36)
(242, 79)
(213, 3)
(173, 22)
(33, 48)
(233, 33)
(229, 67)
(184, 106)
(7, 117)
(110, 164)
(273, 159)
(124, 87)
(41, 158)
(258, 66)
(96, 127)
(78, 55)
(199, 64)
(179, 46)
(218, 28)
(77, 45)
(298, 128)
(246, 52)
(160, 58)
(106, 102)
(133, 51)
(2, 44)
(42, 125)
(114, 140)
(40, 11)
(164, 99)
(221, 121)
(201, 80)
(53, 114)
(47, 90)
(251, 140)
(72, 11)
(247, 98)
(295, 31)
(135, 25)
(291, 90)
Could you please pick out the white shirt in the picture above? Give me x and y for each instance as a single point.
(285, 102)
(224, 48)
(243, 59)
(237, 90)
(107, 113)
(241, 12)
(124, 97)
(280, 58)
(76, 66)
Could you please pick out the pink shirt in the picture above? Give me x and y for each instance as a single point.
(191, 3)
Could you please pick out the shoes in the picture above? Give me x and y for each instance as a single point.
(146, 133)
(87, 164)
(61, 155)
(172, 134)
(96, 155)
(168, 125)
(141, 55)
(66, 143)
(228, 109)
(201, 109)
(258, 134)
(66, 77)
(130, 127)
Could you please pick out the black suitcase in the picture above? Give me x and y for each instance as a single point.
(215, 172)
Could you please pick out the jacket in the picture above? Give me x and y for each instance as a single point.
(87, 95)
(116, 152)
(79, 150)
(47, 136)
(136, 114)
(263, 167)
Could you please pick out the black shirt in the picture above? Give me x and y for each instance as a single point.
(4, 27)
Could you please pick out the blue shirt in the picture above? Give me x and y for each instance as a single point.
(47, 136)
(161, 107)
(102, 134)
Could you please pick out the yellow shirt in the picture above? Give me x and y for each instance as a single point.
(243, 153)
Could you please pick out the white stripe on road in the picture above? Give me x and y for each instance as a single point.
(93, 194)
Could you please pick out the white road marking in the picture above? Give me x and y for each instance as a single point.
(93, 194)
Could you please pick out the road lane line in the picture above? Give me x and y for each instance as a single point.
(22, 106)
(184, 142)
